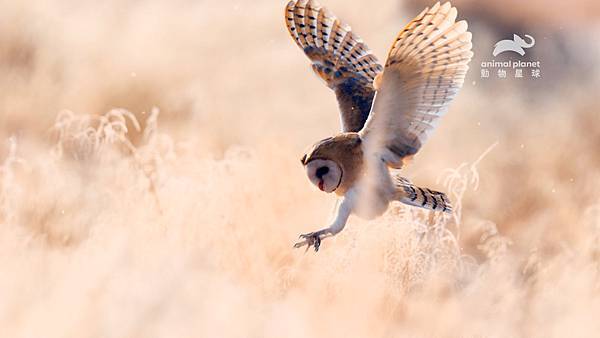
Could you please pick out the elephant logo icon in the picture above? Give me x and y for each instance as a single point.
(517, 45)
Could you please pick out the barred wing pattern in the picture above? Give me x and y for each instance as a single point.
(410, 194)
(338, 56)
(425, 68)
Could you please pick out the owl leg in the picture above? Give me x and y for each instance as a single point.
(314, 238)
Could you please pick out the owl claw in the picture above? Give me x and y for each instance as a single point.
(311, 239)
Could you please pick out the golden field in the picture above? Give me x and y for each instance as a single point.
(150, 182)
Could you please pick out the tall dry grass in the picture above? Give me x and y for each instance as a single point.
(150, 187)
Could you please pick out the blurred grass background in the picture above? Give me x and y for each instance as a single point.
(85, 251)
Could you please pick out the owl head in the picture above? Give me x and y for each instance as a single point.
(325, 174)
(333, 163)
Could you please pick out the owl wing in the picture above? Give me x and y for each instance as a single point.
(338, 56)
(425, 68)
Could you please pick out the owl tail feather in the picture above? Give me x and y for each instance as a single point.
(408, 193)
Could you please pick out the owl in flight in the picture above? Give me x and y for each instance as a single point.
(386, 111)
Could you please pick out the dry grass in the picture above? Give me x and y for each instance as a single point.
(178, 221)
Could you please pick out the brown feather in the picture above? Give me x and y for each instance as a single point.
(344, 149)
(338, 56)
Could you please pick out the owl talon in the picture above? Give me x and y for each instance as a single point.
(311, 239)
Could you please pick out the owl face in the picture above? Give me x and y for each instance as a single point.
(325, 174)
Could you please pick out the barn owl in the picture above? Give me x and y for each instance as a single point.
(386, 112)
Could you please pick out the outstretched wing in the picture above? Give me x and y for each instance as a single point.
(338, 56)
(425, 68)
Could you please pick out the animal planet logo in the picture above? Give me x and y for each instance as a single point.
(517, 45)
(518, 68)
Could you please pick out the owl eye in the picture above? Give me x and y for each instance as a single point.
(321, 172)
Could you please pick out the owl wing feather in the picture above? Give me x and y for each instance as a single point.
(425, 68)
(338, 56)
